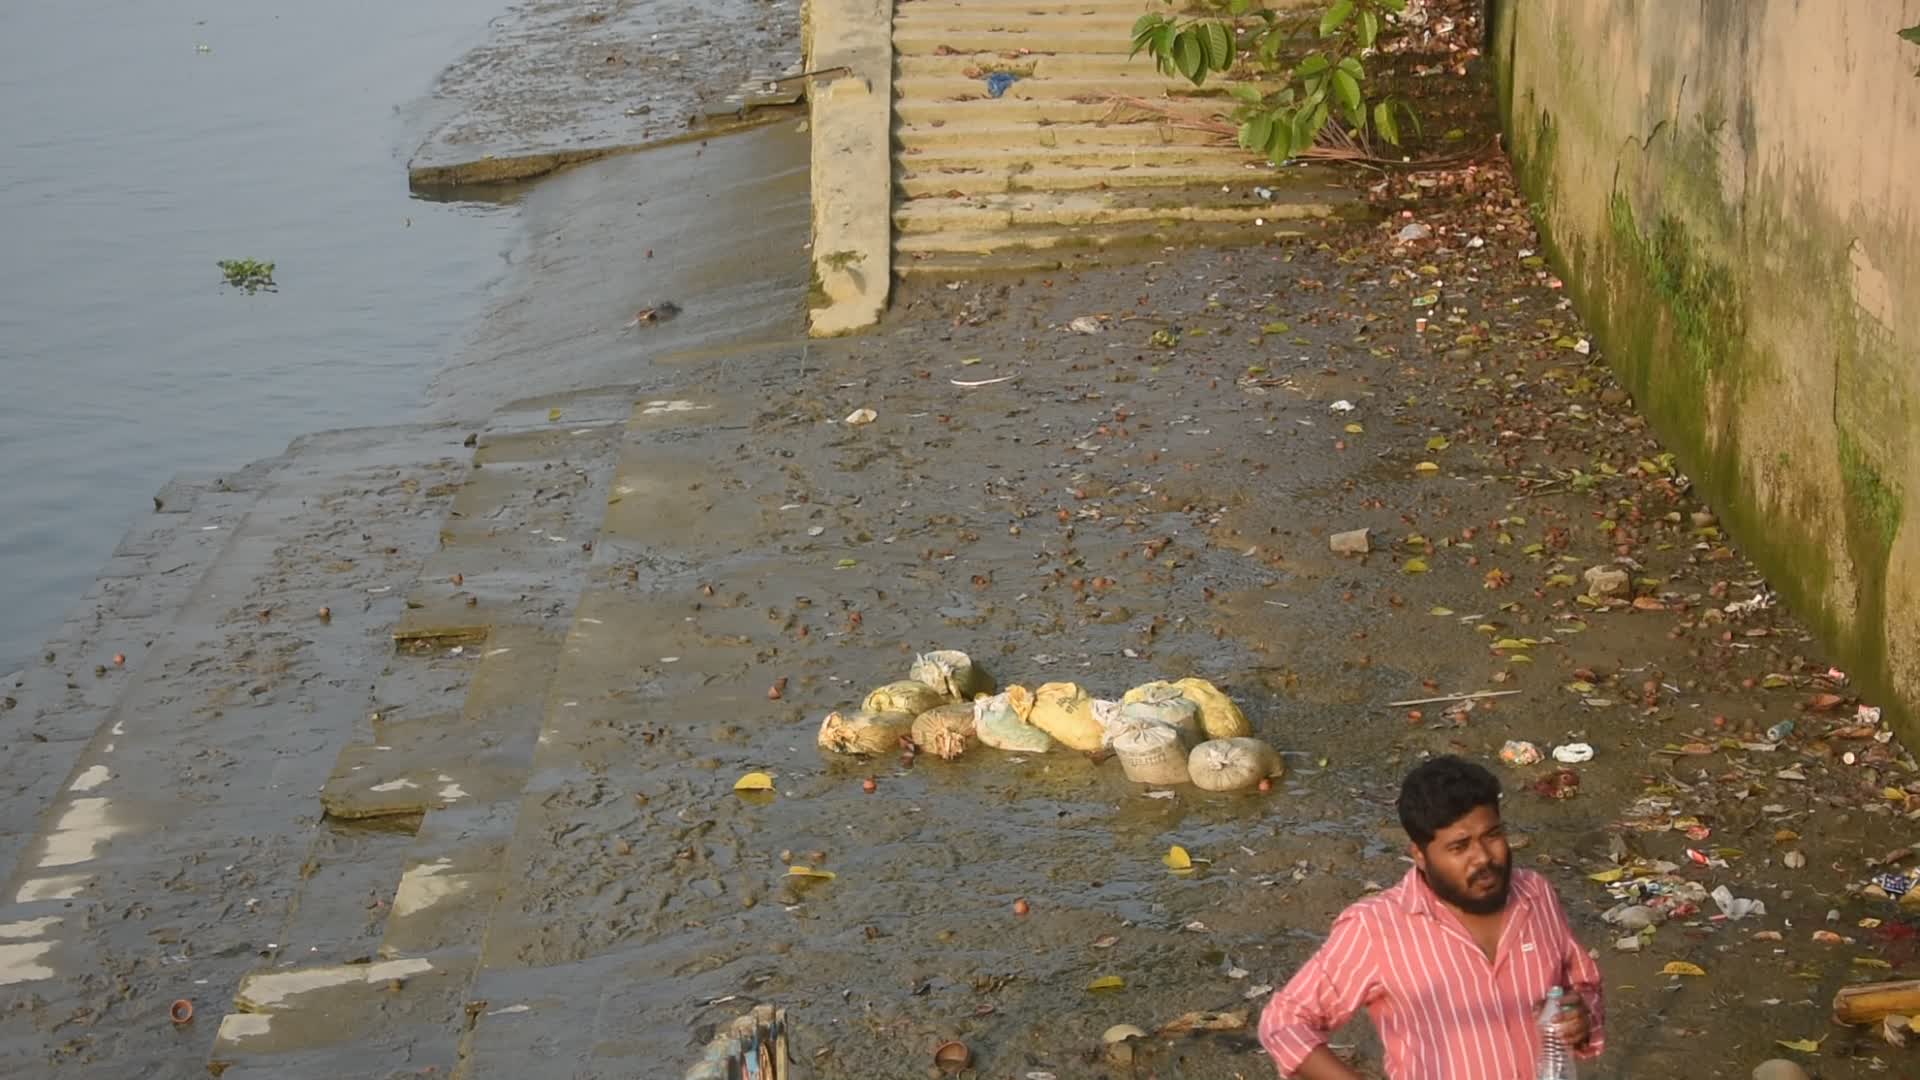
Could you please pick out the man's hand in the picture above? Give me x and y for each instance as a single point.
(1322, 1065)
(1571, 1021)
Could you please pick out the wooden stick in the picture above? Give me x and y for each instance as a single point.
(1452, 697)
(1870, 1003)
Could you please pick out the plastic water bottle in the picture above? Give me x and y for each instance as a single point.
(1556, 1061)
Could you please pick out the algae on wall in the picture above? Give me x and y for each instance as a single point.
(1732, 190)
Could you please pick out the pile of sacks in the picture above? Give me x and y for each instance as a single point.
(1164, 733)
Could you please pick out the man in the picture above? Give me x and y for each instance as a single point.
(1453, 963)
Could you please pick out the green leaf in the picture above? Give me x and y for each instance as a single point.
(1383, 123)
(1270, 45)
(1911, 33)
(1312, 65)
(1335, 17)
(1351, 65)
(1144, 25)
(1245, 93)
(1237, 8)
(1163, 41)
(1280, 147)
(1346, 88)
(1369, 29)
(1256, 133)
(1189, 56)
(1219, 45)
(1395, 6)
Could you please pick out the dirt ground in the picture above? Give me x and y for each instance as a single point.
(1150, 499)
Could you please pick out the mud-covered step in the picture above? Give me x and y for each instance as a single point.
(521, 525)
(188, 812)
(1064, 241)
(931, 38)
(1037, 66)
(364, 1019)
(1114, 27)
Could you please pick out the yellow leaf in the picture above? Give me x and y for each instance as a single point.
(1426, 467)
(1519, 658)
(1438, 443)
(1805, 1046)
(1608, 877)
(1414, 566)
(1177, 858)
(1870, 962)
(1512, 643)
(1107, 982)
(1681, 967)
(1560, 580)
(754, 781)
(1440, 611)
(552, 415)
(809, 872)
(1894, 794)
(1355, 429)
(1580, 686)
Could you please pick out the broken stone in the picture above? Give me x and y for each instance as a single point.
(1351, 542)
(1607, 581)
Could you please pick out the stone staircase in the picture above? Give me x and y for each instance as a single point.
(1057, 172)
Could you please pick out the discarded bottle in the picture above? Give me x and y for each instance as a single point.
(1556, 1061)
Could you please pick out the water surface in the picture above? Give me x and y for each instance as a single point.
(145, 142)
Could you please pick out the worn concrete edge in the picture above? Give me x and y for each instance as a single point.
(850, 121)
(511, 168)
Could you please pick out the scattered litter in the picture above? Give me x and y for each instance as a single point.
(1086, 324)
(1520, 753)
(1736, 908)
(861, 416)
(1573, 753)
(999, 81)
(1341, 406)
(971, 383)
(1351, 542)
(1414, 231)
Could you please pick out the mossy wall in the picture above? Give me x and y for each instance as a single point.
(1732, 191)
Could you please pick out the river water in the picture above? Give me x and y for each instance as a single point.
(143, 143)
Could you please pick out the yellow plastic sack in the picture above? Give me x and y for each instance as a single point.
(907, 696)
(945, 732)
(863, 732)
(1220, 718)
(1065, 712)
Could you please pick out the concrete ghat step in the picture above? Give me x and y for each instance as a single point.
(346, 1019)
(1053, 36)
(1144, 83)
(1003, 160)
(1113, 26)
(990, 113)
(1050, 177)
(1066, 239)
(1039, 66)
(1141, 133)
(1059, 9)
(1116, 207)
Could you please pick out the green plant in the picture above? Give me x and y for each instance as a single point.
(1323, 96)
(248, 274)
(1912, 33)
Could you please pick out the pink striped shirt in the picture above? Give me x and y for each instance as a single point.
(1443, 1011)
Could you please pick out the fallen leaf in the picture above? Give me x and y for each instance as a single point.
(1205, 1021)
(1440, 611)
(1608, 877)
(1177, 859)
(1805, 1046)
(1681, 967)
(1426, 467)
(1414, 566)
(1648, 603)
(552, 415)
(1276, 328)
(1356, 429)
(1438, 443)
(1107, 982)
(799, 871)
(1107, 942)
(1870, 962)
(754, 781)
(1512, 644)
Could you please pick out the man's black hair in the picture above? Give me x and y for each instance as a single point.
(1442, 791)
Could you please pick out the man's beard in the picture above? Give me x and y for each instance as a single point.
(1475, 905)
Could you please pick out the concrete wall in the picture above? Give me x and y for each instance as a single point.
(1732, 190)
